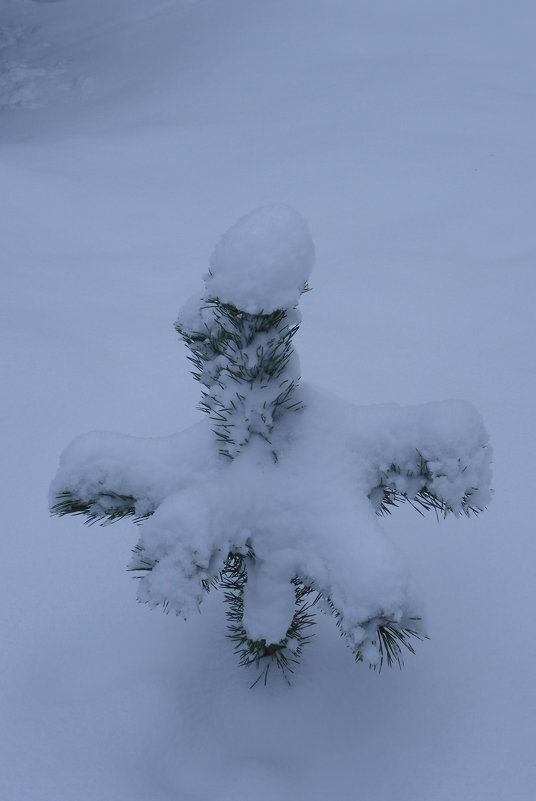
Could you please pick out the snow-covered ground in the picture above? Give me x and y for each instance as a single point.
(132, 134)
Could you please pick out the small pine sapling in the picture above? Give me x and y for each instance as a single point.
(275, 496)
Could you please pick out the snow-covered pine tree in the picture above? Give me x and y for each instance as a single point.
(275, 495)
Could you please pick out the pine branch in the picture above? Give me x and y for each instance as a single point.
(284, 655)
(422, 501)
(392, 638)
(387, 494)
(105, 508)
(140, 562)
(252, 351)
(384, 639)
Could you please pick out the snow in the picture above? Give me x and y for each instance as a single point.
(269, 597)
(262, 263)
(404, 134)
(308, 514)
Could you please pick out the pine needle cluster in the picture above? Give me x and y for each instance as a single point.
(284, 655)
(105, 507)
(243, 361)
(388, 496)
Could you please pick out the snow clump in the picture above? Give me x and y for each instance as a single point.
(262, 263)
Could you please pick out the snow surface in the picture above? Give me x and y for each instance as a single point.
(405, 134)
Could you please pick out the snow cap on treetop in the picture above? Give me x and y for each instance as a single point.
(263, 261)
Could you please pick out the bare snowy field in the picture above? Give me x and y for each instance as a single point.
(132, 134)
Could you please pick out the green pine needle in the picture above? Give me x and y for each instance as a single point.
(107, 507)
(423, 500)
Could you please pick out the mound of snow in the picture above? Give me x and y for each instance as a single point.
(263, 261)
